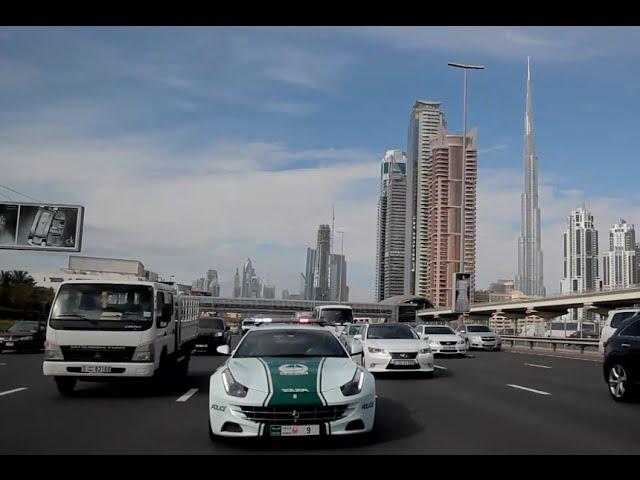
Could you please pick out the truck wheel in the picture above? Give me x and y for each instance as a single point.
(66, 385)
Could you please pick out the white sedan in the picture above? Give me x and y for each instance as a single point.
(290, 380)
(394, 347)
(442, 339)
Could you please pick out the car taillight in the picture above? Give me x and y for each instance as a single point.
(304, 320)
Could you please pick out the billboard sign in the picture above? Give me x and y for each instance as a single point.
(461, 292)
(37, 226)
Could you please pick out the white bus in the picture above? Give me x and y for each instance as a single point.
(336, 316)
(102, 330)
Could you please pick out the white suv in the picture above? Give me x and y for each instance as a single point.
(614, 320)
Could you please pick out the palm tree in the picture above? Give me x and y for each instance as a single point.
(6, 277)
(21, 276)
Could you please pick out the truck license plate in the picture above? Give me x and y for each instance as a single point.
(95, 369)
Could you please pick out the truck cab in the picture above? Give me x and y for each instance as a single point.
(101, 330)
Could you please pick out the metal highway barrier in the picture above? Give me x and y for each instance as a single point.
(582, 343)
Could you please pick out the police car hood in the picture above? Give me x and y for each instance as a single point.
(292, 374)
(443, 337)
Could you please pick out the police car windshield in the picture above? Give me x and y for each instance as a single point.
(289, 343)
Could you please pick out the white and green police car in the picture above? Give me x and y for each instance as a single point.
(290, 380)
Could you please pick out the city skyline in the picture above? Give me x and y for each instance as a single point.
(302, 117)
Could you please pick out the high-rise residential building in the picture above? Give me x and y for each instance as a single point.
(426, 118)
(338, 289)
(390, 245)
(309, 274)
(440, 251)
(638, 262)
(321, 268)
(285, 294)
(213, 285)
(530, 276)
(237, 289)
(199, 285)
(619, 266)
(580, 267)
(251, 285)
(269, 291)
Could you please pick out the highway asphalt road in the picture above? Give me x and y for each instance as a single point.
(492, 403)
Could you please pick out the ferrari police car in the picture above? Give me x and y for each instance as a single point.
(290, 380)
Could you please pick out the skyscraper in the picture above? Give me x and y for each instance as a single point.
(251, 285)
(426, 118)
(199, 285)
(442, 216)
(309, 275)
(338, 289)
(390, 247)
(269, 291)
(619, 266)
(530, 279)
(321, 268)
(213, 285)
(237, 289)
(580, 267)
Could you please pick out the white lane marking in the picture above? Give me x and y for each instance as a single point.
(187, 395)
(536, 365)
(13, 391)
(441, 368)
(539, 392)
(556, 356)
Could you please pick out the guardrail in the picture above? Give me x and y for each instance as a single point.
(554, 342)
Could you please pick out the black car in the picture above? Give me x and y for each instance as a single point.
(621, 367)
(213, 332)
(24, 336)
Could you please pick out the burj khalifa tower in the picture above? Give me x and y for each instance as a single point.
(530, 279)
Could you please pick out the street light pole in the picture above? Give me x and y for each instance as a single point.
(463, 180)
(341, 264)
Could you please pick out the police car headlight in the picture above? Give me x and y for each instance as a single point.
(353, 386)
(231, 386)
(424, 350)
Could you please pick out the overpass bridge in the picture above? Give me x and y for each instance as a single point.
(600, 301)
(273, 306)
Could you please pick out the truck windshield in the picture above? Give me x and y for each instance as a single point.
(103, 307)
(336, 316)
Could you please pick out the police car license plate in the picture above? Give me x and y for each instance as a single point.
(294, 430)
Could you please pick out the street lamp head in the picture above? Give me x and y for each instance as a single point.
(464, 65)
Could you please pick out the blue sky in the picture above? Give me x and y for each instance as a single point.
(197, 147)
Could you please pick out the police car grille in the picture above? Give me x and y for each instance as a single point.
(488, 339)
(294, 414)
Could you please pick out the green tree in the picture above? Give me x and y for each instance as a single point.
(23, 277)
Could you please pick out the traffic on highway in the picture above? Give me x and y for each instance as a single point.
(321, 374)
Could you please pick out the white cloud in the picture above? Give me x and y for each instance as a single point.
(141, 203)
(567, 43)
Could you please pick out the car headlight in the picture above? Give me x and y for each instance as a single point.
(434, 342)
(379, 351)
(144, 353)
(353, 386)
(231, 386)
(52, 351)
(476, 337)
(424, 350)
(28, 337)
(218, 334)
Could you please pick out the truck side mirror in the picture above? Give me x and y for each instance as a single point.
(165, 316)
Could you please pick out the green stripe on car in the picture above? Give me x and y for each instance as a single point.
(294, 381)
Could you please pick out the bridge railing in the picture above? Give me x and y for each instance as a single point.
(553, 342)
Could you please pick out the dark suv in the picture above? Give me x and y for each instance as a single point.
(213, 332)
(24, 336)
(621, 367)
